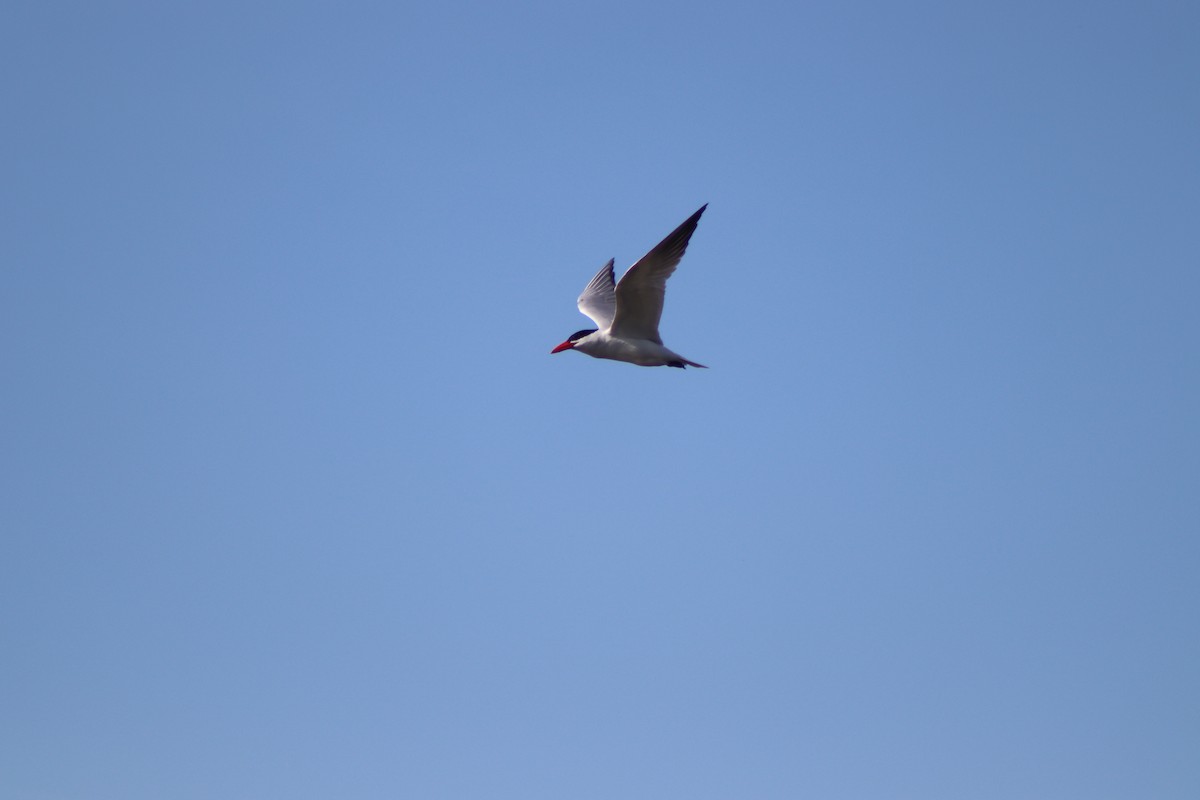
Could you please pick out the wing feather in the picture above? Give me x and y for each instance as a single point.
(640, 294)
(599, 298)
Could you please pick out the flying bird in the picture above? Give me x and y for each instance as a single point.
(627, 313)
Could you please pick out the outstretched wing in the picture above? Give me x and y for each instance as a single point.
(643, 288)
(599, 298)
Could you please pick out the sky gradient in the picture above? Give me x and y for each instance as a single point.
(296, 503)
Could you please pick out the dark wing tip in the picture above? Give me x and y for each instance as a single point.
(677, 240)
(670, 250)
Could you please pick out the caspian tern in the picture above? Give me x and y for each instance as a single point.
(627, 313)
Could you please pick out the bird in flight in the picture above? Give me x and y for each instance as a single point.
(627, 313)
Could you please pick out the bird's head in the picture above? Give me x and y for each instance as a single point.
(573, 339)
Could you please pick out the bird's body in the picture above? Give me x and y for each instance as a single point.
(627, 313)
(643, 352)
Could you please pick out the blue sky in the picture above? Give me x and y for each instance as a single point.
(297, 504)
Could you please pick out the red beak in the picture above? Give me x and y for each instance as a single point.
(567, 345)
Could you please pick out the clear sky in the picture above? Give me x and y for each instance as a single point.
(297, 504)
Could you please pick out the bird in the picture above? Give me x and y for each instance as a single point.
(627, 313)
